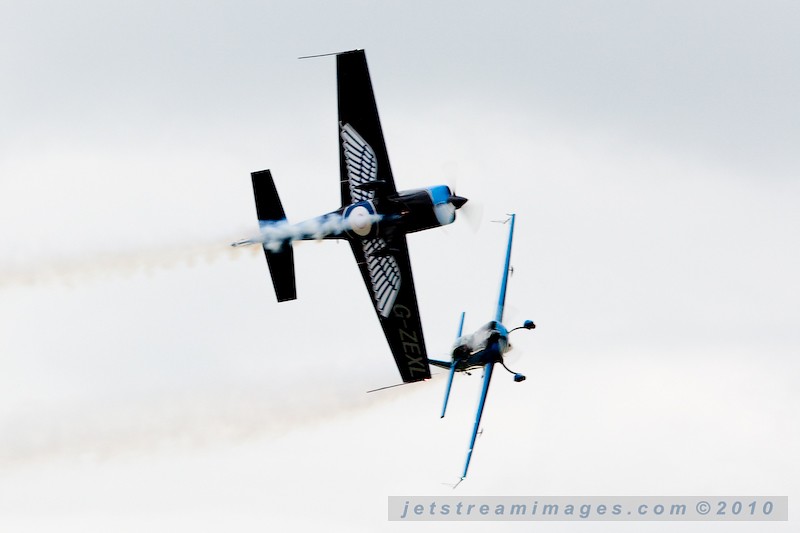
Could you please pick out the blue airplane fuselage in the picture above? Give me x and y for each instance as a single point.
(486, 345)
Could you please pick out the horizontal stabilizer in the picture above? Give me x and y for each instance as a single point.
(268, 204)
(440, 364)
(281, 262)
(281, 268)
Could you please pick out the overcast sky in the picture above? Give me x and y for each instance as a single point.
(150, 381)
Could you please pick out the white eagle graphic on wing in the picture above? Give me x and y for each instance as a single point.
(362, 168)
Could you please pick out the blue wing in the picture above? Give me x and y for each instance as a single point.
(501, 300)
(487, 377)
(488, 367)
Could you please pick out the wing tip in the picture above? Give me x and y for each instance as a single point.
(345, 52)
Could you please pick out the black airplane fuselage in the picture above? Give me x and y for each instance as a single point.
(374, 218)
(401, 212)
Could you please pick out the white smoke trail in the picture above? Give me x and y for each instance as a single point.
(181, 421)
(274, 235)
(84, 266)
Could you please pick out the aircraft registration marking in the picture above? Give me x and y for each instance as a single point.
(410, 341)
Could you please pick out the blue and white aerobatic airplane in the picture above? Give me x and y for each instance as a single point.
(483, 348)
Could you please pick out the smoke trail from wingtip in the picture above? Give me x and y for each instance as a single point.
(180, 420)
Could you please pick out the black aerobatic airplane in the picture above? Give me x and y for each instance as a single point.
(374, 219)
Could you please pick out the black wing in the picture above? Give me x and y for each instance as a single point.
(362, 152)
(384, 265)
(387, 274)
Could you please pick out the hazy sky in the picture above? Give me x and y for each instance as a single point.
(150, 381)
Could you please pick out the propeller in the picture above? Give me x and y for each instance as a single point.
(471, 210)
(473, 213)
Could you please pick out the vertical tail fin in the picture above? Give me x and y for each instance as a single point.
(269, 209)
